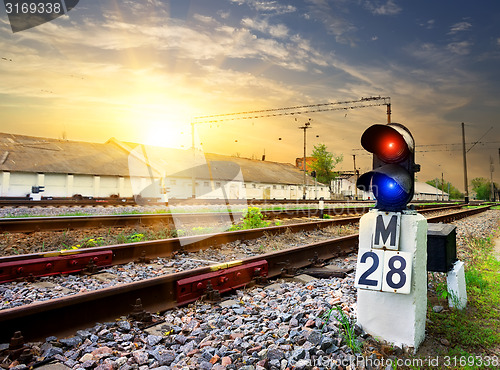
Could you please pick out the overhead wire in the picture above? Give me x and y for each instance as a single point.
(290, 111)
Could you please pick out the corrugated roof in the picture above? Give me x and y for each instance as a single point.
(34, 154)
(424, 188)
(22, 153)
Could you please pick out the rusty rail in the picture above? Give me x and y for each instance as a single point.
(63, 316)
(32, 224)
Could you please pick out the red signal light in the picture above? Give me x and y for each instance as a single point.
(386, 143)
(392, 148)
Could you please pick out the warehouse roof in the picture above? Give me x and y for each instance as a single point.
(20, 153)
(424, 188)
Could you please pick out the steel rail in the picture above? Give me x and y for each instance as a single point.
(73, 202)
(125, 253)
(32, 224)
(62, 316)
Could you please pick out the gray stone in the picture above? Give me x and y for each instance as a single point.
(299, 354)
(56, 366)
(52, 351)
(302, 365)
(205, 365)
(124, 325)
(88, 364)
(154, 340)
(315, 337)
(181, 339)
(120, 362)
(275, 354)
(71, 342)
(140, 357)
(83, 333)
(163, 356)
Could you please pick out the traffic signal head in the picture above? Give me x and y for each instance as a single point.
(392, 179)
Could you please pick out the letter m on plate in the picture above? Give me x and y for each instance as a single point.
(387, 228)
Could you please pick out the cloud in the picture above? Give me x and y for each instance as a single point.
(459, 27)
(279, 30)
(267, 7)
(388, 8)
(429, 24)
(223, 14)
(334, 21)
(460, 48)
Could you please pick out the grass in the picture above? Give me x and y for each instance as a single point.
(475, 330)
(348, 328)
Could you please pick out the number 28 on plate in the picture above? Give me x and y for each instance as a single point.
(388, 271)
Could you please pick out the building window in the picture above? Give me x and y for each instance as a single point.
(217, 184)
(206, 184)
(254, 186)
(274, 186)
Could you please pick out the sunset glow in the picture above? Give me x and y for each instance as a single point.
(141, 71)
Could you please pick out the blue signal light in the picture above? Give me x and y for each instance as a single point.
(390, 195)
(391, 185)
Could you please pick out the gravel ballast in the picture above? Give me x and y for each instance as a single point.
(281, 326)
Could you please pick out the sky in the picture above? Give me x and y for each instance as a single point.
(144, 71)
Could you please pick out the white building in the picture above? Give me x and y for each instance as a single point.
(344, 187)
(122, 169)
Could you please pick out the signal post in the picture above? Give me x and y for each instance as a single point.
(391, 273)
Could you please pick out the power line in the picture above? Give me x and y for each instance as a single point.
(300, 109)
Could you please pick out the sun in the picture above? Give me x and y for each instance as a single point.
(167, 134)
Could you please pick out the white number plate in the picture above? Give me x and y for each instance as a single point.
(388, 271)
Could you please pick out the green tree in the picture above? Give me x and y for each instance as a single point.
(324, 163)
(444, 186)
(482, 188)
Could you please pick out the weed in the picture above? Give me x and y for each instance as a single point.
(473, 278)
(177, 233)
(348, 334)
(135, 237)
(254, 219)
(476, 328)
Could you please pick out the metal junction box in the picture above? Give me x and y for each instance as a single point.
(441, 247)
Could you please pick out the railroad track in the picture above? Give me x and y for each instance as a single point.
(130, 201)
(32, 224)
(38, 320)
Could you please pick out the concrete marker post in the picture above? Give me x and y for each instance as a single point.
(393, 317)
(457, 292)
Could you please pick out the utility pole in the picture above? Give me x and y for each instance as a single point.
(466, 187)
(492, 194)
(305, 127)
(388, 112)
(356, 174)
(193, 175)
(442, 186)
